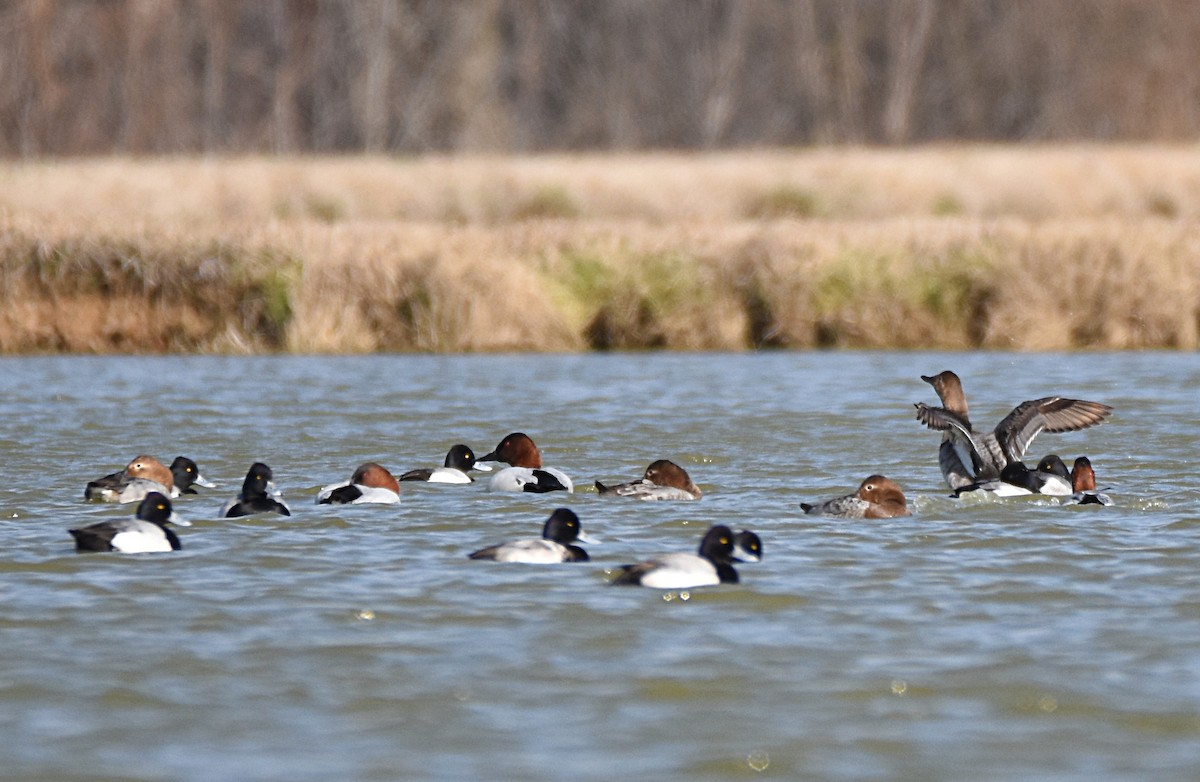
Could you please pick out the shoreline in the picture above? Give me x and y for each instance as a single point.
(722, 252)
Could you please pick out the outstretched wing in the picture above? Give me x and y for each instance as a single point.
(1052, 414)
(959, 456)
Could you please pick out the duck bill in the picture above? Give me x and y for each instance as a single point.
(178, 520)
(200, 480)
(482, 467)
(583, 537)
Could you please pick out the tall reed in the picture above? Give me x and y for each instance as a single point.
(1029, 249)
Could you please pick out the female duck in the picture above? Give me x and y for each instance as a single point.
(663, 480)
(459, 461)
(556, 544)
(525, 471)
(711, 566)
(141, 476)
(876, 498)
(146, 532)
(256, 495)
(370, 483)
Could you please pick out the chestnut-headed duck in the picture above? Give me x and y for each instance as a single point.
(712, 565)
(146, 532)
(370, 483)
(141, 476)
(1083, 483)
(556, 544)
(663, 480)
(459, 461)
(967, 456)
(258, 495)
(877, 497)
(525, 471)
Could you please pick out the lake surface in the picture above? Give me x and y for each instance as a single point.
(975, 640)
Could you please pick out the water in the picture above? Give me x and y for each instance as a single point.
(974, 640)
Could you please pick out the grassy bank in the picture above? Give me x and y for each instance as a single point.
(1043, 248)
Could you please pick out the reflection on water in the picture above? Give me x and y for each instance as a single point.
(975, 639)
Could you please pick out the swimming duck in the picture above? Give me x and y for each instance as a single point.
(712, 565)
(186, 474)
(877, 497)
(1017, 480)
(663, 480)
(146, 532)
(141, 476)
(525, 472)
(967, 456)
(370, 483)
(459, 460)
(747, 547)
(256, 495)
(556, 544)
(1083, 481)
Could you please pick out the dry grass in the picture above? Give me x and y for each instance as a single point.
(956, 247)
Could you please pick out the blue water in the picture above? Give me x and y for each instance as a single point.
(973, 640)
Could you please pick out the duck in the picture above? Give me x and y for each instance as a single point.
(141, 476)
(1053, 478)
(557, 543)
(459, 460)
(712, 565)
(877, 497)
(967, 456)
(663, 480)
(186, 474)
(747, 547)
(146, 532)
(370, 483)
(1083, 482)
(1016, 480)
(256, 495)
(525, 471)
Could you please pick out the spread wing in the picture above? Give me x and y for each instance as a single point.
(959, 455)
(1052, 414)
(941, 419)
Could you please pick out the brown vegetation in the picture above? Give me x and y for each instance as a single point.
(959, 247)
(305, 76)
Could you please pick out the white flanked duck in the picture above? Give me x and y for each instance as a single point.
(525, 471)
(712, 565)
(146, 532)
(557, 543)
(460, 460)
(371, 483)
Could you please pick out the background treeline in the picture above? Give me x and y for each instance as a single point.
(87, 77)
